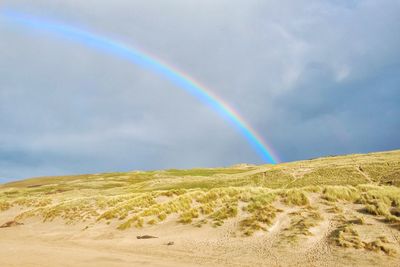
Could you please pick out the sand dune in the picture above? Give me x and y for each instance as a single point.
(128, 220)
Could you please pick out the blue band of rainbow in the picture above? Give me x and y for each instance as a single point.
(142, 59)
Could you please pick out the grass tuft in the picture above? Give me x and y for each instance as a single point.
(296, 197)
(335, 193)
(188, 216)
(300, 223)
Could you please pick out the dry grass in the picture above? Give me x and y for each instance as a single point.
(378, 208)
(296, 197)
(260, 218)
(213, 196)
(347, 236)
(335, 209)
(335, 193)
(188, 216)
(229, 210)
(300, 224)
(4, 206)
(358, 221)
(379, 245)
(133, 221)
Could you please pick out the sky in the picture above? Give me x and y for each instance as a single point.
(313, 78)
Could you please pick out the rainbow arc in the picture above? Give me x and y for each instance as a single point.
(145, 60)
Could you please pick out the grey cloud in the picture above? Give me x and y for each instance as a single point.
(313, 77)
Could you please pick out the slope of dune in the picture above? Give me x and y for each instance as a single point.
(332, 211)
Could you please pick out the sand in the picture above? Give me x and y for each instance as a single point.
(56, 244)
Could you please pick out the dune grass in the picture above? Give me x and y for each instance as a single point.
(295, 197)
(198, 197)
(335, 193)
(300, 224)
(347, 236)
(4, 205)
(261, 216)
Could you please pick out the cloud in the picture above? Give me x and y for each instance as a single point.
(314, 78)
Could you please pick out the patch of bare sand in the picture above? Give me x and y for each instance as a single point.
(57, 244)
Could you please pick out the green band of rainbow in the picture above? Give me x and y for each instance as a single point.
(142, 59)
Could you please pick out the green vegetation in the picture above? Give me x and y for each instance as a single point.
(206, 172)
(250, 195)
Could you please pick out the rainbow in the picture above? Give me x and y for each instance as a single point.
(154, 64)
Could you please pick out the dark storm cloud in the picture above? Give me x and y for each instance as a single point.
(313, 77)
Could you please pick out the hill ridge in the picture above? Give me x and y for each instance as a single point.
(311, 212)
